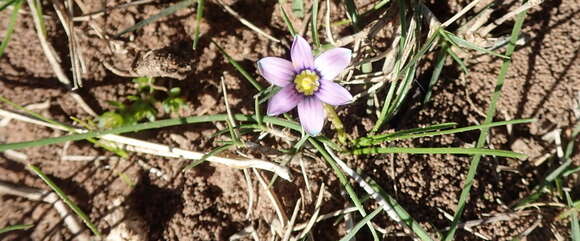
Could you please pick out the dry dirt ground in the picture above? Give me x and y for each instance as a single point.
(210, 202)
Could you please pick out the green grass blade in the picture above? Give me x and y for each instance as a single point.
(352, 14)
(488, 119)
(65, 199)
(574, 227)
(16, 227)
(393, 105)
(386, 105)
(395, 136)
(6, 4)
(562, 171)
(365, 221)
(239, 68)
(298, 8)
(466, 44)
(422, 52)
(458, 60)
(198, 17)
(439, 63)
(366, 141)
(394, 211)
(403, 214)
(150, 125)
(163, 13)
(380, 4)
(38, 12)
(437, 150)
(344, 182)
(314, 24)
(286, 19)
(209, 154)
(11, 24)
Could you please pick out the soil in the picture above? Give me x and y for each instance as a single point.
(210, 202)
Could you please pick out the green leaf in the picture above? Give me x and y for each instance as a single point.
(175, 91)
(110, 119)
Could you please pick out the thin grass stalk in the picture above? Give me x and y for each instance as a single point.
(16, 227)
(198, 17)
(344, 182)
(11, 24)
(484, 132)
(437, 150)
(65, 199)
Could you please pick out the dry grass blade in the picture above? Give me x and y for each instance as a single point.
(251, 192)
(64, 13)
(314, 217)
(327, 26)
(246, 22)
(101, 12)
(508, 16)
(282, 218)
(47, 48)
(460, 13)
(290, 224)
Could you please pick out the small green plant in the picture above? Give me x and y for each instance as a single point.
(142, 105)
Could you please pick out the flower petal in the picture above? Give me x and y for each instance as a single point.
(277, 71)
(332, 62)
(312, 115)
(332, 93)
(301, 54)
(283, 101)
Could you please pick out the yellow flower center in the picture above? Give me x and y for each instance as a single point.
(306, 82)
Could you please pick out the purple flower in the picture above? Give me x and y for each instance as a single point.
(306, 82)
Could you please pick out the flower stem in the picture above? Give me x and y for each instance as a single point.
(336, 122)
